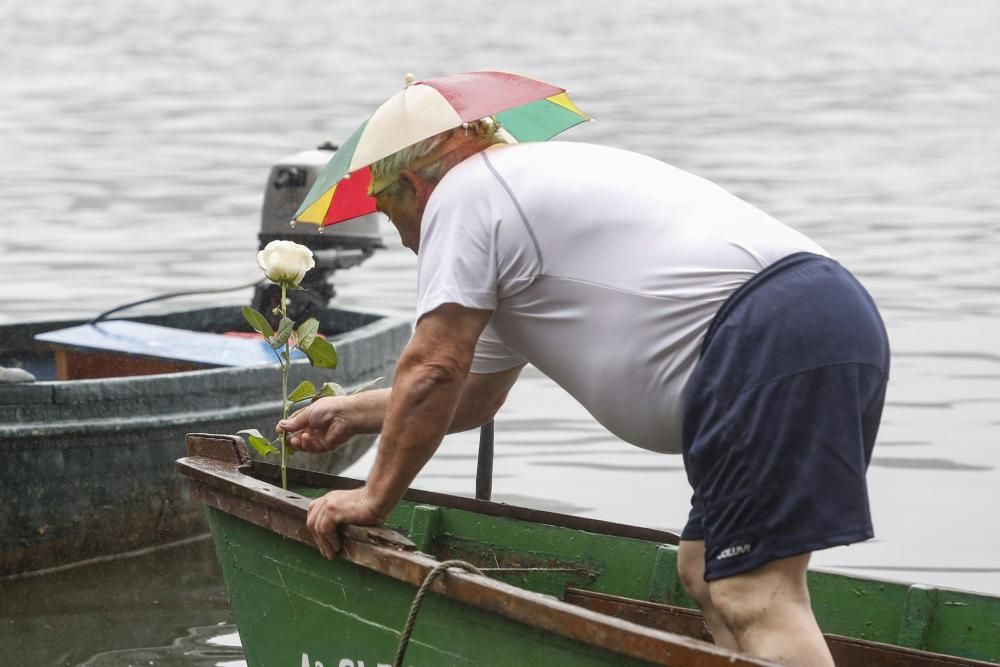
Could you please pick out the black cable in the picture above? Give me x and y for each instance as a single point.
(172, 295)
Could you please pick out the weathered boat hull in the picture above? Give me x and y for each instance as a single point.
(88, 464)
(560, 590)
(293, 607)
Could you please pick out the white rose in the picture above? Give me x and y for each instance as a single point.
(285, 261)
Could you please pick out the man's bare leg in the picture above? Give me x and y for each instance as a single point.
(691, 568)
(770, 615)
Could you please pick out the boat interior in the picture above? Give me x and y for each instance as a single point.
(630, 573)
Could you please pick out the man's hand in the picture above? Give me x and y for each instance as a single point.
(320, 427)
(336, 508)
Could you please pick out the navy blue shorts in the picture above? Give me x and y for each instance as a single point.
(781, 415)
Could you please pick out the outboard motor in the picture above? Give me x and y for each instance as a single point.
(339, 246)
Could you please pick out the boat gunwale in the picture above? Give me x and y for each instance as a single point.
(380, 322)
(257, 468)
(52, 394)
(270, 471)
(226, 486)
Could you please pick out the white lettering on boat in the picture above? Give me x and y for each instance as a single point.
(737, 550)
(344, 662)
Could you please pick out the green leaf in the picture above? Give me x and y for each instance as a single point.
(322, 353)
(276, 310)
(257, 321)
(307, 333)
(366, 385)
(306, 389)
(285, 329)
(329, 389)
(257, 441)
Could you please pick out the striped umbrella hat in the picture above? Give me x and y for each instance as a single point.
(528, 109)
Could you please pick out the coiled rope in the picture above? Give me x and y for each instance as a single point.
(411, 619)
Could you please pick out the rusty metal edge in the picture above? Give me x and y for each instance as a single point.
(223, 486)
(228, 448)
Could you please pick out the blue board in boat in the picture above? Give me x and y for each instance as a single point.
(151, 340)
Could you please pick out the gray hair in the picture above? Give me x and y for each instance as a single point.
(487, 130)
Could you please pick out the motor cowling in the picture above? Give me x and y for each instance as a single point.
(339, 246)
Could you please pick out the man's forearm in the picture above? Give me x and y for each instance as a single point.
(368, 410)
(482, 396)
(472, 412)
(476, 406)
(423, 406)
(429, 381)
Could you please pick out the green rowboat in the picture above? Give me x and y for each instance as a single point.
(552, 589)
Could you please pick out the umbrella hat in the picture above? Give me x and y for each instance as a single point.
(530, 110)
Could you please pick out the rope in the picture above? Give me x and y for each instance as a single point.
(411, 619)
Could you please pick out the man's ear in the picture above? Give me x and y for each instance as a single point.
(419, 186)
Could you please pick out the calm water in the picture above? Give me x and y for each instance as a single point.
(135, 141)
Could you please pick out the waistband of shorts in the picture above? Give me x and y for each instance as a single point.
(787, 263)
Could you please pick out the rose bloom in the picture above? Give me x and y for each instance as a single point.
(285, 261)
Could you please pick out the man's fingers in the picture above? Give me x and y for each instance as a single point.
(325, 548)
(308, 443)
(334, 540)
(323, 527)
(328, 542)
(311, 515)
(312, 522)
(295, 422)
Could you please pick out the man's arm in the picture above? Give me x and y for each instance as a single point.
(482, 397)
(330, 422)
(425, 397)
(422, 405)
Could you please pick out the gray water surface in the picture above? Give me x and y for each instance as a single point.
(136, 137)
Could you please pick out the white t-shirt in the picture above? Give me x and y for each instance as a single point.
(603, 268)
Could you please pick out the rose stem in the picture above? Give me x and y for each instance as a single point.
(284, 389)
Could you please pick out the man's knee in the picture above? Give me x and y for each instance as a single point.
(750, 599)
(737, 606)
(691, 570)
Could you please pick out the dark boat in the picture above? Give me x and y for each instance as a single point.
(88, 446)
(88, 463)
(551, 589)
